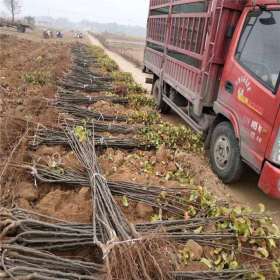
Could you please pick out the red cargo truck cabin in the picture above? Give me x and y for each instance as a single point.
(216, 63)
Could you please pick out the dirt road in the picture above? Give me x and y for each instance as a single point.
(124, 65)
(246, 192)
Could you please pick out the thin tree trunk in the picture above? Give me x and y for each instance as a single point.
(13, 10)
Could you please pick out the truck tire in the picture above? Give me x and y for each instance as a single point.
(225, 155)
(161, 106)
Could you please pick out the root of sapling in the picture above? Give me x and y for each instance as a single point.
(149, 259)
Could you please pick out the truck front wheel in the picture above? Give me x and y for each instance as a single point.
(157, 94)
(225, 155)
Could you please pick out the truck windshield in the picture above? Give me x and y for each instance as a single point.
(259, 47)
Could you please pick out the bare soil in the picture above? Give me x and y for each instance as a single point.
(24, 103)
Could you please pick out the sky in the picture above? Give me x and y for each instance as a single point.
(128, 12)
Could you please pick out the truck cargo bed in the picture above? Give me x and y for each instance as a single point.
(186, 46)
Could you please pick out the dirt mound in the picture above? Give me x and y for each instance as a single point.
(67, 205)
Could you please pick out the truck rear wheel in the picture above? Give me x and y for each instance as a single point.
(157, 94)
(225, 155)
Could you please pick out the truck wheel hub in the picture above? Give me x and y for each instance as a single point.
(222, 152)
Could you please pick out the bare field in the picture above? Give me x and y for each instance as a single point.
(129, 47)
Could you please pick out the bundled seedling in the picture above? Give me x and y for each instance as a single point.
(77, 83)
(83, 113)
(117, 237)
(81, 77)
(52, 137)
(99, 126)
(79, 99)
(103, 202)
(19, 262)
(89, 75)
(236, 274)
(170, 200)
(41, 232)
(232, 226)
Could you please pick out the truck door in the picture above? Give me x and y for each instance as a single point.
(249, 82)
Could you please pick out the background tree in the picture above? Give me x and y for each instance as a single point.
(13, 6)
(30, 20)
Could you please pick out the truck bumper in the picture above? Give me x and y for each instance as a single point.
(270, 180)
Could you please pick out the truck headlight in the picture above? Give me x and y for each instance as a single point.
(275, 157)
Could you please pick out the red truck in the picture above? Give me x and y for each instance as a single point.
(216, 63)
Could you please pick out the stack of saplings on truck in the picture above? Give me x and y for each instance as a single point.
(216, 63)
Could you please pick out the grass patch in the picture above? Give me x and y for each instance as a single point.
(141, 100)
(125, 79)
(37, 78)
(122, 79)
(172, 136)
(107, 64)
(146, 118)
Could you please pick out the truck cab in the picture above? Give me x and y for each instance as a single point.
(217, 63)
(249, 93)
